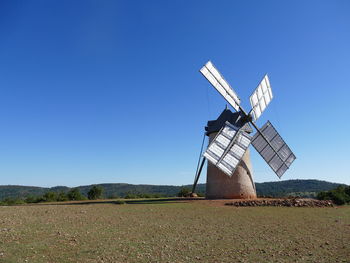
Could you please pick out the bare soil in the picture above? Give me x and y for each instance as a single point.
(173, 231)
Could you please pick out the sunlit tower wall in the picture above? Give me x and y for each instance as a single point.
(241, 184)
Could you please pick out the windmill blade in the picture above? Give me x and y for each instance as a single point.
(227, 148)
(261, 97)
(220, 84)
(273, 149)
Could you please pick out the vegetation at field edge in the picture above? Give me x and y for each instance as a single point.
(302, 188)
(339, 195)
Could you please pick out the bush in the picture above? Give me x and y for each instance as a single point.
(33, 199)
(200, 194)
(338, 198)
(157, 196)
(130, 196)
(113, 196)
(75, 195)
(62, 196)
(12, 201)
(95, 192)
(184, 191)
(50, 197)
(339, 195)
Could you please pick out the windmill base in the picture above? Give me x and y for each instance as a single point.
(239, 186)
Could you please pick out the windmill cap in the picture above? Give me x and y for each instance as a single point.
(237, 119)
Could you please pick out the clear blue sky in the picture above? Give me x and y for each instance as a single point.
(110, 91)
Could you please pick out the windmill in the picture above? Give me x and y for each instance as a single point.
(229, 172)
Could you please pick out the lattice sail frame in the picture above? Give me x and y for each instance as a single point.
(280, 157)
(227, 148)
(220, 84)
(261, 97)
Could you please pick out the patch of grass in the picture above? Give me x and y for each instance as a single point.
(173, 232)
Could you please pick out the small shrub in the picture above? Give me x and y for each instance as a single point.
(33, 199)
(338, 195)
(200, 194)
(62, 196)
(75, 195)
(338, 198)
(13, 201)
(347, 190)
(113, 196)
(184, 191)
(50, 197)
(130, 196)
(95, 192)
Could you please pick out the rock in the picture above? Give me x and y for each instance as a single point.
(289, 202)
(193, 195)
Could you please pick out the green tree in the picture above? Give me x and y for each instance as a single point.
(32, 199)
(338, 195)
(62, 196)
(50, 197)
(95, 192)
(12, 201)
(113, 196)
(347, 191)
(130, 195)
(75, 195)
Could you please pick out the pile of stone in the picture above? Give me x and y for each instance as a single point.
(291, 202)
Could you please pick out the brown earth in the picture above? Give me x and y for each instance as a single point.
(172, 230)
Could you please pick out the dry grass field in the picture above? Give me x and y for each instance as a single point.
(173, 232)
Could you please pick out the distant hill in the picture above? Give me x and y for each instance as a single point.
(304, 188)
(281, 188)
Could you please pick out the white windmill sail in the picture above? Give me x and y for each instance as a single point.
(227, 148)
(273, 149)
(261, 97)
(220, 84)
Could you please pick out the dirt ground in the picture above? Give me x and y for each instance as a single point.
(173, 231)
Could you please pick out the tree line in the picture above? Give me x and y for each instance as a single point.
(340, 195)
(95, 192)
(302, 188)
(72, 195)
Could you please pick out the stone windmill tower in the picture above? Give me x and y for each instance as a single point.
(219, 184)
(229, 171)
